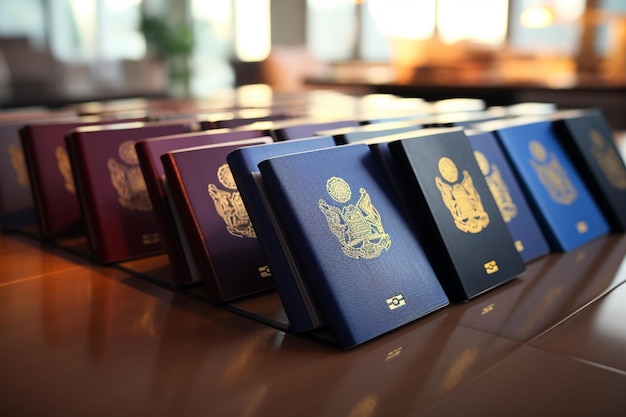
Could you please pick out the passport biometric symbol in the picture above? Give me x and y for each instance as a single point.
(229, 205)
(461, 198)
(127, 179)
(610, 161)
(63, 163)
(18, 162)
(358, 227)
(551, 174)
(497, 186)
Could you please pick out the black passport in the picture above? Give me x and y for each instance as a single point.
(472, 249)
(587, 138)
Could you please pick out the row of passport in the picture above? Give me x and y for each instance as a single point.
(360, 229)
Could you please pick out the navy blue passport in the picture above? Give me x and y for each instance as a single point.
(294, 293)
(562, 203)
(210, 213)
(367, 271)
(516, 212)
(587, 138)
(470, 245)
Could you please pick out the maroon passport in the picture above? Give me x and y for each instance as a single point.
(112, 193)
(149, 152)
(50, 174)
(211, 213)
(17, 210)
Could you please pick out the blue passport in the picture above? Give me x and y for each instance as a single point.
(562, 203)
(470, 246)
(588, 140)
(367, 271)
(529, 240)
(299, 307)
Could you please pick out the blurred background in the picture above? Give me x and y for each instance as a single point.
(55, 51)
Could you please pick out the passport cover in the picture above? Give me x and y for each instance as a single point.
(112, 193)
(562, 204)
(472, 249)
(17, 210)
(50, 174)
(299, 307)
(517, 214)
(356, 250)
(221, 237)
(149, 152)
(587, 138)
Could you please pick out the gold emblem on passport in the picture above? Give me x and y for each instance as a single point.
(63, 163)
(551, 174)
(264, 271)
(491, 267)
(358, 227)
(461, 198)
(127, 178)
(497, 186)
(395, 302)
(519, 245)
(608, 159)
(229, 205)
(582, 227)
(150, 238)
(19, 164)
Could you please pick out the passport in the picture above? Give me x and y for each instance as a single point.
(50, 174)
(588, 140)
(111, 191)
(299, 307)
(566, 211)
(17, 210)
(149, 152)
(470, 247)
(337, 210)
(529, 239)
(222, 240)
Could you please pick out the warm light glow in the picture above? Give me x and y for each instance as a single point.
(487, 25)
(252, 30)
(403, 19)
(537, 17)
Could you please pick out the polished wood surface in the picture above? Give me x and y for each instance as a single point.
(77, 339)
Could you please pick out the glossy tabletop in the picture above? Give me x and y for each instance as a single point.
(77, 339)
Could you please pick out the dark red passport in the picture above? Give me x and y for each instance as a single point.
(17, 210)
(50, 174)
(149, 152)
(211, 214)
(112, 192)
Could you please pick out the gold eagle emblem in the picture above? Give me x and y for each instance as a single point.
(63, 163)
(611, 163)
(229, 205)
(358, 227)
(19, 164)
(497, 186)
(127, 179)
(461, 198)
(551, 174)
